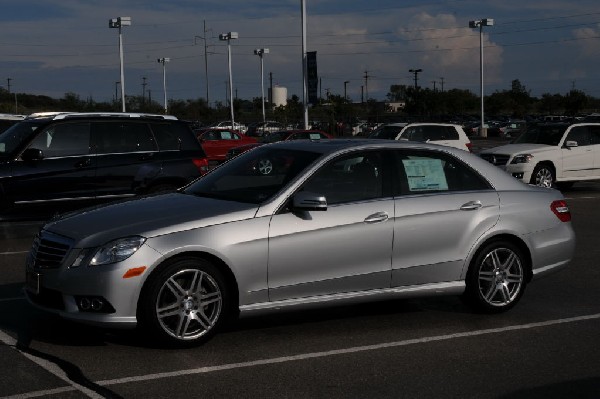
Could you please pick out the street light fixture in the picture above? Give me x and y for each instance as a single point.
(480, 23)
(229, 37)
(164, 61)
(260, 52)
(119, 23)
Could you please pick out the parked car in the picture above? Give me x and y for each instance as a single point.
(66, 161)
(512, 128)
(436, 133)
(7, 120)
(228, 125)
(259, 129)
(338, 221)
(216, 142)
(388, 131)
(283, 135)
(553, 154)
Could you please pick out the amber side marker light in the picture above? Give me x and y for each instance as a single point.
(136, 271)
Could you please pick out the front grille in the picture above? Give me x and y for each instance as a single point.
(49, 250)
(496, 159)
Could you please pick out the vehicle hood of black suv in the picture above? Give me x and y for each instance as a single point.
(148, 217)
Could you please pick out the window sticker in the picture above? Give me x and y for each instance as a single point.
(425, 174)
(315, 136)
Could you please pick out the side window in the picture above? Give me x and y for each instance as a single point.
(432, 133)
(595, 134)
(121, 137)
(65, 139)
(350, 178)
(580, 134)
(451, 133)
(226, 135)
(434, 172)
(173, 136)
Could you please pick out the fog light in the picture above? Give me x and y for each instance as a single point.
(93, 304)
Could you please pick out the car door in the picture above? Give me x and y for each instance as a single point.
(595, 145)
(346, 248)
(442, 207)
(63, 176)
(577, 161)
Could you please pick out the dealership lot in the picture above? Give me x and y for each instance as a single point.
(545, 346)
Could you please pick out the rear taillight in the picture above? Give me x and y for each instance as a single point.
(201, 164)
(561, 210)
(469, 147)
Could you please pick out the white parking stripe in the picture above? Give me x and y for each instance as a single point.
(14, 253)
(17, 298)
(336, 352)
(202, 370)
(49, 367)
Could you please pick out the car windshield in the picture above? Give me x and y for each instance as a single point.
(386, 132)
(550, 135)
(274, 137)
(16, 135)
(254, 177)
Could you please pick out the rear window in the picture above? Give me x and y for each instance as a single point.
(174, 136)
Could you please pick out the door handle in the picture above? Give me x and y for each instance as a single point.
(377, 217)
(471, 206)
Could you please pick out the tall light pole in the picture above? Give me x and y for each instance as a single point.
(304, 64)
(164, 61)
(119, 23)
(345, 84)
(229, 37)
(480, 23)
(260, 52)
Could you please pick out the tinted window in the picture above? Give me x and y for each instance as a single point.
(350, 178)
(580, 134)
(16, 136)
(386, 132)
(63, 139)
(120, 137)
(544, 134)
(174, 136)
(434, 172)
(595, 134)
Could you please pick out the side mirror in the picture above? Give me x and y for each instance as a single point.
(32, 154)
(571, 143)
(307, 201)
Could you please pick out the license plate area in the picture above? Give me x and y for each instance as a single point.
(33, 282)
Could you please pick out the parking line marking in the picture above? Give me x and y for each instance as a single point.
(202, 370)
(313, 355)
(14, 253)
(49, 367)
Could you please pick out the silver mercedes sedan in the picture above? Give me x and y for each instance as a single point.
(300, 224)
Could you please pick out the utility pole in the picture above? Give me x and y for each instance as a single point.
(270, 100)
(442, 83)
(433, 81)
(205, 61)
(362, 94)
(144, 90)
(367, 76)
(345, 85)
(8, 84)
(416, 73)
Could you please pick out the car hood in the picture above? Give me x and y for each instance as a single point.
(519, 149)
(148, 217)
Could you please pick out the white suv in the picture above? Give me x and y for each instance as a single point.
(436, 133)
(553, 154)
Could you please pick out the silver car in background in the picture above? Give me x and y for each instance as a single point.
(335, 221)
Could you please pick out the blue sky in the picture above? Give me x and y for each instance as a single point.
(51, 47)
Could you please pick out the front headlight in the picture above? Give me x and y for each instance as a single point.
(522, 158)
(116, 251)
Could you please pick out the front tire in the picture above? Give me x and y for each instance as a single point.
(543, 176)
(496, 278)
(185, 303)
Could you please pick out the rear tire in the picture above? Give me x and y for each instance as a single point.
(496, 278)
(185, 303)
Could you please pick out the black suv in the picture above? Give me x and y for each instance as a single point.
(70, 160)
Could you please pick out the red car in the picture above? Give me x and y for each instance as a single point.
(281, 135)
(217, 142)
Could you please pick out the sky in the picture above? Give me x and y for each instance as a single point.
(53, 47)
